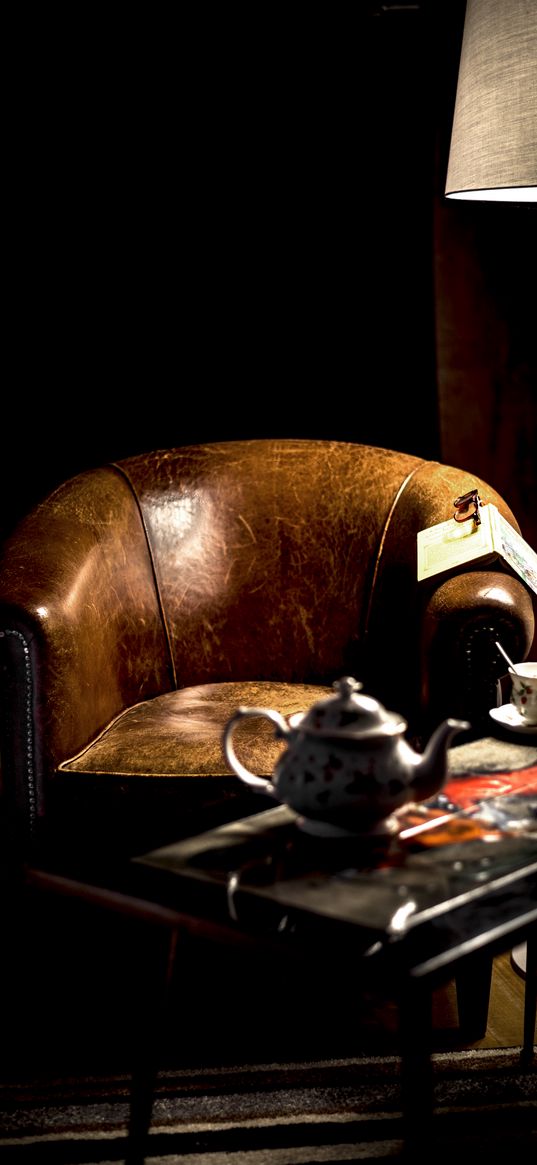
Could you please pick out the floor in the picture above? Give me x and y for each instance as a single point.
(379, 1020)
(506, 1009)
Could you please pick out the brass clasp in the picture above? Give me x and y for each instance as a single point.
(467, 506)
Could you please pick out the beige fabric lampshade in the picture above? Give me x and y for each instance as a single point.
(493, 153)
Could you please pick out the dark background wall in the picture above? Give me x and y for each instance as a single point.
(234, 225)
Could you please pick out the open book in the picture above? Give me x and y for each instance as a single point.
(451, 545)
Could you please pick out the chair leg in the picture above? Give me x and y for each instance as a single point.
(473, 983)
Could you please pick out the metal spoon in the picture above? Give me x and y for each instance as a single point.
(505, 656)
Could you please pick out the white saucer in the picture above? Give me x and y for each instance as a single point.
(518, 959)
(508, 716)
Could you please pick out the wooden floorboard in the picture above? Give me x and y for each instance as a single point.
(506, 1008)
(378, 1022)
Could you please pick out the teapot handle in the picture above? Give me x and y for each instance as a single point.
(229, 751)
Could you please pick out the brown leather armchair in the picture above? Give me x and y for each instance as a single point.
(144, 601)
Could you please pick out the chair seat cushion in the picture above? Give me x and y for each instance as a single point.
(158, 772)
(179, 734)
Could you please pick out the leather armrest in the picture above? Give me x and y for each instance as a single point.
(462, 619)
(82, 635)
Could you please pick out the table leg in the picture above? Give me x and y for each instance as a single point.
(155, 1004)
(530, 997)
(415, 1030)
(473, 983)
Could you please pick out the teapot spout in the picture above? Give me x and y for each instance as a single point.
(431, 766)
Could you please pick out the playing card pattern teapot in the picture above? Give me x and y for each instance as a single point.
(347, 767)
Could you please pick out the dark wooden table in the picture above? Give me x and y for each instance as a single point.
(455, 887)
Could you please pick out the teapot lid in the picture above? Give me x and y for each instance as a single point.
(350, 714)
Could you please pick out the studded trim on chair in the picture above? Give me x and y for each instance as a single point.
(31, 784)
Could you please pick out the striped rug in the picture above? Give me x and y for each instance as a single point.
(268, 1114)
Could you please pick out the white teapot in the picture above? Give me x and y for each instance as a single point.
(347, 767)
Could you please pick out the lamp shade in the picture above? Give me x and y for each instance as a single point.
(493, 152)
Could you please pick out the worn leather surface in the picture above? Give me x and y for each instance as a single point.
(265, 541)
(179, 735)
(76, 581)
(273, 562)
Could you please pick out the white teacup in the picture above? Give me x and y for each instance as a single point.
(524, 690)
